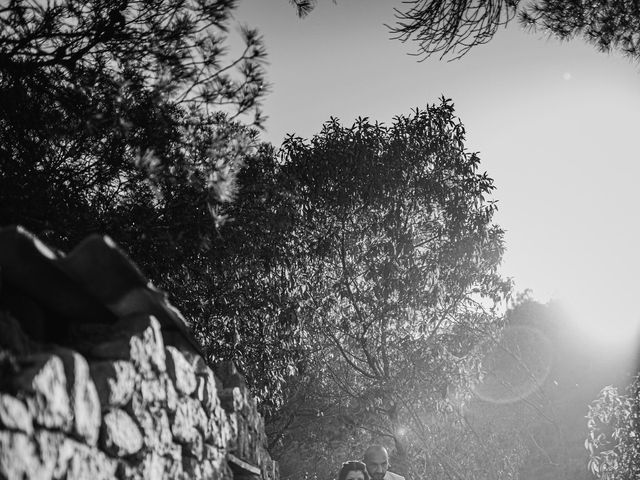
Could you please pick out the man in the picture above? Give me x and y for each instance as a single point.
(376, 459)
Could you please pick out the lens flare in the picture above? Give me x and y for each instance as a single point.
(515, 366)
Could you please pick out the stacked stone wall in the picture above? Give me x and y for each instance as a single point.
(134, 400)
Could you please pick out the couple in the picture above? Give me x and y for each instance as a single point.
(376, 462)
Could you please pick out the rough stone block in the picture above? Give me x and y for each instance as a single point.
(194, 447)
(51, 455)
(73, 460)
(215, 464)
(152, 466)
(207, 392)
(19, 458)
(212, 453)
(180, 371)
(172, 396)
(220, 431)
(234, 430)
(44, 384)
(83, 395)
(156, 429)
(90, 464)
(189, 421)
(14, 414)
(120, 435)
(174, 461)
(140, 342)
(114, 381)
(181, 342)
(153, 391)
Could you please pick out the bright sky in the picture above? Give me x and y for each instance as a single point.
(556, 124)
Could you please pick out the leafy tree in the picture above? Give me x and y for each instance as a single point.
(245, 290)
(91, 91)
(399, 285)
(128, 118)
(613, 441)
(452, 28)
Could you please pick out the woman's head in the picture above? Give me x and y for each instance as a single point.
(353, 470)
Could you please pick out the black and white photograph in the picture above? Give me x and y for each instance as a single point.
(319, 240)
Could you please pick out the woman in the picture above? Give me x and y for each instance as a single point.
(353, 471)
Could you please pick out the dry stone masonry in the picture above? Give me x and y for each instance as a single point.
(101, 379)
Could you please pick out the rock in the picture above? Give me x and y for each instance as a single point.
(45, 385)
(220, 430)
(19, 458)
(172, 396)
(83, 395)
(163, 417)
(207, 392)
(88, 464)
(14, 414)
(174, 462)
(153, 391)
(194, 447)
(216, 466)
(155, 426)
(120, 436)
(60, 446)
(180, 371)
(152, 466)
(189, 421)
(149, 351)
(140, 342)
(51, 455)
(212, 453)
(57, 450)
(114, 381)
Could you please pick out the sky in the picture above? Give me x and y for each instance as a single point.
(556, 125)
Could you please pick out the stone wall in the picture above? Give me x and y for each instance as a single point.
(123, 391)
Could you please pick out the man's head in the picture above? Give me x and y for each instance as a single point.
(376, 459)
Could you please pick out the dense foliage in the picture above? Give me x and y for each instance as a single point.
(450, 28)
(355, 278)
(124, 118)
(614, 439)
(94, 93)
(399, 286)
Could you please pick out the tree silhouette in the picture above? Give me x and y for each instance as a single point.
(398, 271)
(452, 28)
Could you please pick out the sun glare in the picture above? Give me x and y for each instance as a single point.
(607, 322)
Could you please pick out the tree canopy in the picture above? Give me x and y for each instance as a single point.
(354, 279)
(452, 28)
(398, 279)
(131, 119)
(96, 93)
